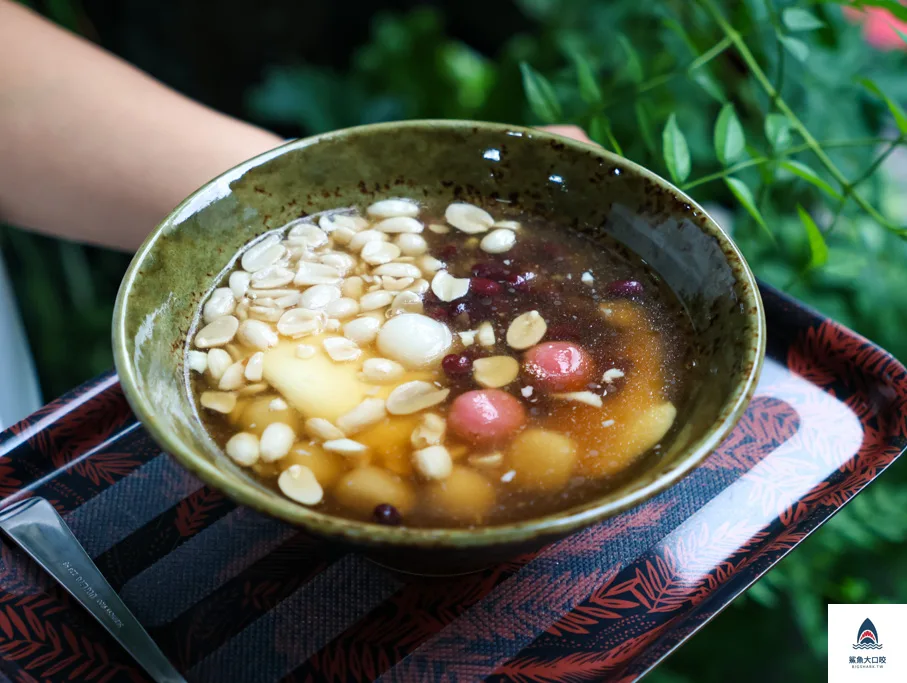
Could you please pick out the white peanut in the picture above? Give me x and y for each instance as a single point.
(255, 367)
(265, 253)
(411, 397)
(319, 296)
(257, 334)
(197, 361)
(362, 330)
(218, 401)
(220, 303)
(298, 483)
(243, 449)
(430, 431)
(324, 430)
(433, 462)
(239, 283)
(411, 244)
(382, 371)
(526, 330)
(377, 253)
(370, 412)
(498, 241)
(217, 332)
(342, 308)
(399, 224)
(276, 441)
(316, 274)
(388, 208)
(300, 322)
(218, 362)
(361, 239)
(448, 288)
(341, 349)
(233, 377)
(468, 218)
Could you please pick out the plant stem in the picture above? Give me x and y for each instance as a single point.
(838, 211)
(829, 144)
(658, 81)
(724, 173)
(773, 17)
(710, 54)
(796, 123)
(893, 145)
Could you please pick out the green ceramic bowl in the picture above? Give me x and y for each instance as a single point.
(577, 184)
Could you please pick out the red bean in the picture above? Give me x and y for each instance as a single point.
(448, 252)
(485, 417)
(438, 313)
(564, 332)
(458, 308)
(387, 514)
(482, 286)
(558, 366)
(490, 271)
(474, 310)
(625, 288)
(456, 365)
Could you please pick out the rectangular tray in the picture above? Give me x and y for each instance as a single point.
(234, 596)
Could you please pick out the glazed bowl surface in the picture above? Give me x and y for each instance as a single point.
(579, 186)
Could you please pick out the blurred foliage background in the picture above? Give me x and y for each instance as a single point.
(760, 107)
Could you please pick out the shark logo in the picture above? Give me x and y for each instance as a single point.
(867, 637)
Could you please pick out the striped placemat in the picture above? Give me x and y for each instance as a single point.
(231, 595)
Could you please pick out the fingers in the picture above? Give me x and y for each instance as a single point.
(574, 132)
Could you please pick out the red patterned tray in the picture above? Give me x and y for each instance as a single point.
(233, 596)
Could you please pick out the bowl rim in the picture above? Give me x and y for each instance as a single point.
(370, 533)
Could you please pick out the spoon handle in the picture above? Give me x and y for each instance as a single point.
(35, 526)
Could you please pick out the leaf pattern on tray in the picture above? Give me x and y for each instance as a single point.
(798, 454)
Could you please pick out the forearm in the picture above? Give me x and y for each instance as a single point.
(91, 148)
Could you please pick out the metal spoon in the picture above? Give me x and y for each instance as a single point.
(36, 527)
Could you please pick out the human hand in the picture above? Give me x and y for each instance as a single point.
(573, 132)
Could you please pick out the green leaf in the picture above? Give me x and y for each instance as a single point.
(729, 139)
(745, 197)
(762, 594)
(845, 263)
(471, 74)
(697, 69)
(644, 124)
(600, 131)
(897, 8)
(633, 67)
(704, 80)
(796, 47)
(818, 249)
(676, 151)
(901, 33)
(677, 28)
(809, 175)
(798, 19)
(540, 94)
(900, 118)
(585, 76)
(777, 130)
